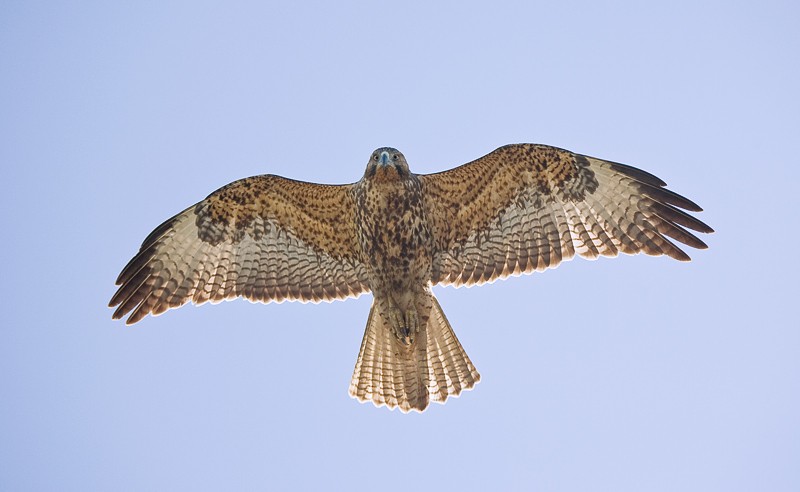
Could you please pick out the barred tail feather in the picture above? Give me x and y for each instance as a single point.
(434, 367)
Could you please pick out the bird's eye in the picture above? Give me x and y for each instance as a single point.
(394, 157)
(375, 157)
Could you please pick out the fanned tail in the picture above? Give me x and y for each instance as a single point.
(433, 367)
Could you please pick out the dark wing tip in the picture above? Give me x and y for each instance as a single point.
(654, 186)
(669, 197)
(636, 173)
(705, 228)
(687, 204)
(118, 313)
(159, 231)
(132, 288)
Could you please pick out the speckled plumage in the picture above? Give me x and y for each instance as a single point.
(518, 209)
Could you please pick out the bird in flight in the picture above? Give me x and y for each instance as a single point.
(519, 209)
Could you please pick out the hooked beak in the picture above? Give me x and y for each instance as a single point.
(384, 158)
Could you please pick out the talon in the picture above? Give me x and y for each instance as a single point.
(412, 325)
(396, 320)
(405, 326)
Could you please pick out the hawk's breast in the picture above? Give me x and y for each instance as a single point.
(393, 232)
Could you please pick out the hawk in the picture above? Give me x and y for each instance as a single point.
(519, 209)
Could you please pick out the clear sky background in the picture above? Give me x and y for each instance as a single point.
(636, 373)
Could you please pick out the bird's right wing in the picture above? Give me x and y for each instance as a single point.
(265, 238)
(527, 207)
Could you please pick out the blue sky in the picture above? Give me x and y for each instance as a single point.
(636, 373)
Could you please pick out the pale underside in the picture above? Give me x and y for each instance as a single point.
(519, 209)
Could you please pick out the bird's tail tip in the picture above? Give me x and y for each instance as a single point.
(432, 368)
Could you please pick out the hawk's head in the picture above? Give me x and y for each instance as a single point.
(387, 163)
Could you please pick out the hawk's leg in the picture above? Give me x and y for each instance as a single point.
(404, 324)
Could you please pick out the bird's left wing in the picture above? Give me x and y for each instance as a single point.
(527, 207)
(265, 238)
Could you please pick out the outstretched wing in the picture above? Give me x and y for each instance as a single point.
(528, 207)
(265, 238)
